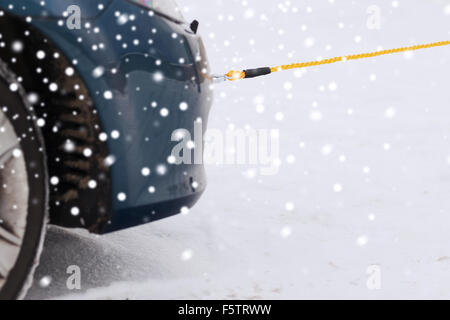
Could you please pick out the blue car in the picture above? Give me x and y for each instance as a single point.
(92, 96)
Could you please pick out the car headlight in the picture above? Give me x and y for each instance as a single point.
(168, 8)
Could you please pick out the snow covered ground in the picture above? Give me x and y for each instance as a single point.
(364, 177)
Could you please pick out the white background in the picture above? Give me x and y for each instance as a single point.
(383, 137)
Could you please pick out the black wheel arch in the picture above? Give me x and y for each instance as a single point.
(67, 117)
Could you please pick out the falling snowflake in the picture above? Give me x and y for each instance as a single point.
(337, 187)
(362, 240)
(45, 281)
(286, 231)
(108, 95)
(289, 206)
(145, 171)
(187, 255)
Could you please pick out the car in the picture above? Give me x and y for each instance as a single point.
(91, 93)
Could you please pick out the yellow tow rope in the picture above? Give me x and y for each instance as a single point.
(251, 73)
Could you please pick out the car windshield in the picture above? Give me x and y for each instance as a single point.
(166, 7)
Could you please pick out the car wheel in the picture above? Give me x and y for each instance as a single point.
(23, 188)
